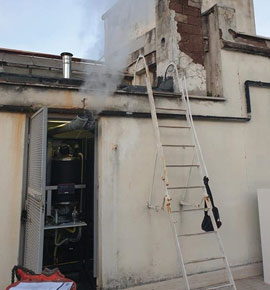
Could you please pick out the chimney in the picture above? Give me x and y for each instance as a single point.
(67, 62)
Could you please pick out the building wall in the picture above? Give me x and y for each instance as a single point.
(244, 13)
(12, 130)
(179, 39)
(137, 244)
(131, 20)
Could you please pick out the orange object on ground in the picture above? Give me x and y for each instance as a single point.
(24, 275)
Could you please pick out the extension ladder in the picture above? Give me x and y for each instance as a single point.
(205, 204)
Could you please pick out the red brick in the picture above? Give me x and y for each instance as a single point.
(183, 2)
(192, 11)
(192, 29)
(194, 20)
(193, 43)
(185, 36)
(178, 8)
(197, 57)
(181, 18)
(195, 3)
(189, 26)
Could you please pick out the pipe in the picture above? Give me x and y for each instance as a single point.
(58, 243)
(57, 239)
(80, 122)
(77, 238)
(255, 84)
(67, 62)
(81, 197)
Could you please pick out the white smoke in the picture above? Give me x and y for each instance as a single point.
(124, 22)
(92, 27)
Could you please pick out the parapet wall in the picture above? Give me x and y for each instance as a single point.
(244, 13)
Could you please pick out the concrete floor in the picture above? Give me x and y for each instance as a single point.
(255, 283)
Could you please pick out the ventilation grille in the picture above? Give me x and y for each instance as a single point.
(34, 235)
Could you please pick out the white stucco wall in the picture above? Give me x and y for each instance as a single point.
(244, 13)
(137, 244)
(126, 21)
(12, 130)
(238, 68)
(263, 206)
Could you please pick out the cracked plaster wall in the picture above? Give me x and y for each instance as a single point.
(169, 43)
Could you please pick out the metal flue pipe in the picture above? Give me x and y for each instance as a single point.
(79, 123)
(67, 63)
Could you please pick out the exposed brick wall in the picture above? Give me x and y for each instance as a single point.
(189, 23)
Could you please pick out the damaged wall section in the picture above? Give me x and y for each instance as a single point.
(189, 26)
(180, 40)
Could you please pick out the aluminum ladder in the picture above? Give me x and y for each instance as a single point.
(167, 200)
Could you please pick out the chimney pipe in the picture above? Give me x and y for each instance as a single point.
(67, 61)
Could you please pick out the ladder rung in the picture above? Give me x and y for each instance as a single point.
(221, 286)
(197, 234)
(186, 187)
(204, 260)
(178, 145)
(168, 109)
(188, 210)
(183, 166)
(175, 127)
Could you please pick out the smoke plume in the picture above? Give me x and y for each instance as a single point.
(124, 21)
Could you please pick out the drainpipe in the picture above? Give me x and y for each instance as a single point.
(67, 62)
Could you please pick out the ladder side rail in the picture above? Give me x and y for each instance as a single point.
(194, 133)
(193, 127)
(202, 162)
(152, 187)
(198, 151)
(162, 157)
(183, 88)
(160, 150)
(180, 255)
(189, 118)
(228, 268)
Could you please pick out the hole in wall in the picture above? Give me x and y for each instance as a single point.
(163, 41)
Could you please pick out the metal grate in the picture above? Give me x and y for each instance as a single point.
(33, 236)
(34, 231)
(36, 154)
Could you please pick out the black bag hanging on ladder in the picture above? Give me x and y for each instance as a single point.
(207, 225)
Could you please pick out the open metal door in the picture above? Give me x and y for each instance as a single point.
(35, 199)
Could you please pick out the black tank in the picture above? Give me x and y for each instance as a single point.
(66, 171)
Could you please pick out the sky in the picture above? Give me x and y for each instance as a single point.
(54, 26)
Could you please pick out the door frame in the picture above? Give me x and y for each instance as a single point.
(96, 192)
